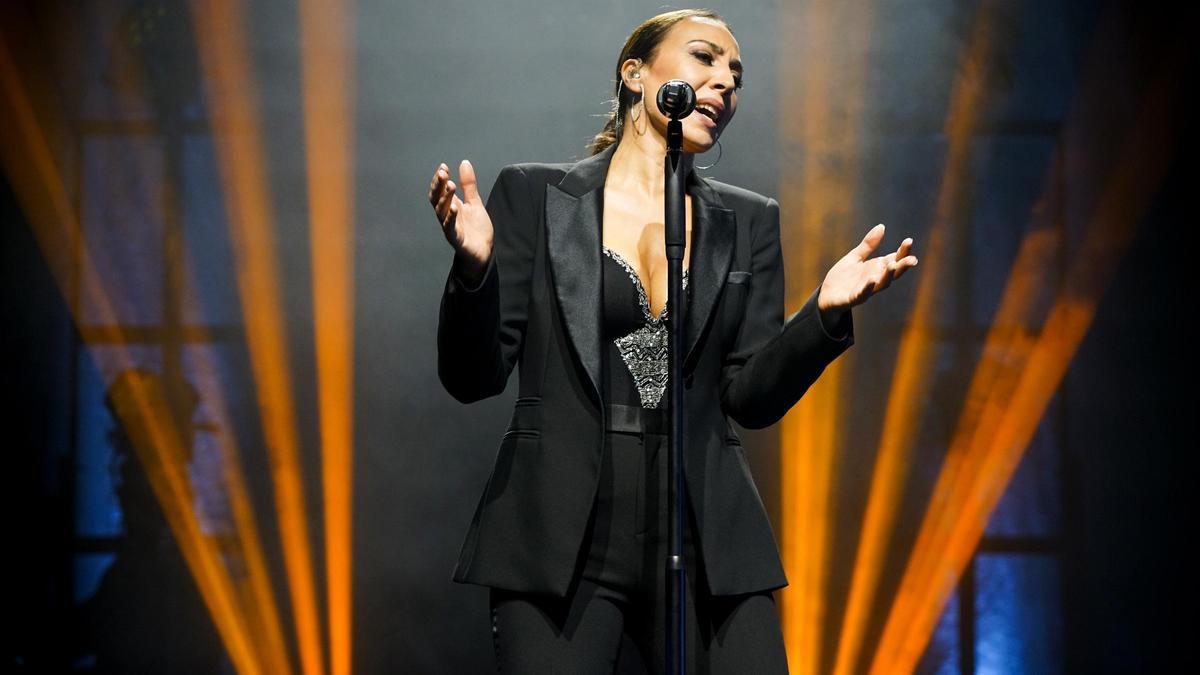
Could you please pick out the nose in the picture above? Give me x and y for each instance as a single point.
(724, 82)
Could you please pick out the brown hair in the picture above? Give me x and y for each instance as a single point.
(642, 44)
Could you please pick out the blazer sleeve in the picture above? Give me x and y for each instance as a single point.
(773, 362)
(481, 330)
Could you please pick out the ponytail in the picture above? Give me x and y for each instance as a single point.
(606, 137)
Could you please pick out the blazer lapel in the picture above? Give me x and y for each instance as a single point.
(574, 210)
(713, 230)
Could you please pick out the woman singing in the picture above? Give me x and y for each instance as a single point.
(564, 274)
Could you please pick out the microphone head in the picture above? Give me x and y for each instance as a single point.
(676, 99)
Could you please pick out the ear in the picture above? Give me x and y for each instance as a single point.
(631, 74)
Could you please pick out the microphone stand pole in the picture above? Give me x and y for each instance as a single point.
(676, 243)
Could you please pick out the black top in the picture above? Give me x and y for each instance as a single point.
(635, 341)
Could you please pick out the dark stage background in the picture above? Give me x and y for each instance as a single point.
(1079, 568)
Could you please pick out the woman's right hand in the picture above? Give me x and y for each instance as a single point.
(465, 223)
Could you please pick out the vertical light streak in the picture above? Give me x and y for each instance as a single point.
(37, 182)
(259, 599)
(1024, 375)
(326, 38)
(144, 413)
(827, 85)
(220, 33)
(254, 590)
(910, 380)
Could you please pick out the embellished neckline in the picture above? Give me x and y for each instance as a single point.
(643, 298)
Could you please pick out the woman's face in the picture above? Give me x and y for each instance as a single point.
(703, 53)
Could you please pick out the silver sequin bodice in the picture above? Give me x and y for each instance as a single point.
(644, 350)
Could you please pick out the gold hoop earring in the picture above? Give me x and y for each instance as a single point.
(720, 152)
(618, 122)
(642, 116)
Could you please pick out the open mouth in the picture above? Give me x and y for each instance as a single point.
(709, 112)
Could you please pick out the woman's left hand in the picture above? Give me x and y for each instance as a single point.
(856, 277)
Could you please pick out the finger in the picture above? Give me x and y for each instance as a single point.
(869, 243)
(439, 177)
(443, 205)
(443, 199)
(434, 189)
(439, 189)
(450, 222)
(885, 279)
(445, 190)
(885, 275)
(905, 248)
(448, 189)
(904, 265)
(883, 264)
(466, 173)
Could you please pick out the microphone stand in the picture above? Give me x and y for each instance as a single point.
(677, 100)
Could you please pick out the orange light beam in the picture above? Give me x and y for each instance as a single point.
(143, 411)
(38, 184)
(259, 599)
(255, 593)
(910, 380)
(327, 69)
(994, 456)
(221, 39)
(1007, 345)
(827, 84)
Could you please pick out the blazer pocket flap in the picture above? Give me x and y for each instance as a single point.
(739, 277)
(526, 416)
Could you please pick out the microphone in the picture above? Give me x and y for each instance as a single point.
(676, 99)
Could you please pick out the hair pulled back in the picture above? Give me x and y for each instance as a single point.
(642, 44)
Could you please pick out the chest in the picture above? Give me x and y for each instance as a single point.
(634, 230)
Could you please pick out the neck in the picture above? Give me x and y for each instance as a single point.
(638, 163)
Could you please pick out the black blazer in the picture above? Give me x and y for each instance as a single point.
(539, 306)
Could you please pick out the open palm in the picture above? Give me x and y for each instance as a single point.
(856, 277)
(465, 222)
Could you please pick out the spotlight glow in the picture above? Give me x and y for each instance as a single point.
(220, 36)
(325, 29)
(827, 84)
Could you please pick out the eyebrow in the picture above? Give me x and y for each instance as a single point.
(735, 63)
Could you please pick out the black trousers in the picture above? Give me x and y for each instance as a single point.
(619, 596)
